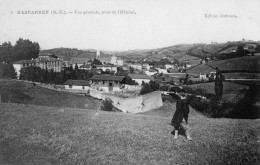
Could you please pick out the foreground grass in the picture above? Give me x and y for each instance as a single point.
(51, 135)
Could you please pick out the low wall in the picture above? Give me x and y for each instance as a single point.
(136, 104)
(95, 93)
(133, 87)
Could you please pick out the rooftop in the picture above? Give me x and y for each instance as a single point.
(77, 82)
(107, 77)
(85, 66)
(139, 76)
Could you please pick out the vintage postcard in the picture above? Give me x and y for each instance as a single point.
(129, 82)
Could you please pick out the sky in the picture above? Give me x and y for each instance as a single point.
(151, 23)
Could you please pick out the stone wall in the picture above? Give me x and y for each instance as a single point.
(136, 104)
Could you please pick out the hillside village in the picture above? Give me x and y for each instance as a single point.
(97, 73)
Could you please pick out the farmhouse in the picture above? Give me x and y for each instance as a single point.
(201, 71)
(107, 83)
(77, 85)
(139, 78)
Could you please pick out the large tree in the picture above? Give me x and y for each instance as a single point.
(25, 50)
(22, 50)
(7, 71)
(6, 51)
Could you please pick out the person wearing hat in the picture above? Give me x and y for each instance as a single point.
(180, 117)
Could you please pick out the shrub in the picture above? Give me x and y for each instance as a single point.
(167, 98)
(211, 108)
(107, 105)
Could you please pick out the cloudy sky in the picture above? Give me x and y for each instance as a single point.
(154, 23)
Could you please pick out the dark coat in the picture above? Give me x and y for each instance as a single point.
(182, 111)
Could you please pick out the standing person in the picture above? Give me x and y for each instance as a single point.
(180, 117)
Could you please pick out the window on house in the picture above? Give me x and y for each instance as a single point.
(83, 87)
(70, 86)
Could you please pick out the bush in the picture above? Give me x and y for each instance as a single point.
(245, 107)
(211, 108)
(107, 105)
(168, 98)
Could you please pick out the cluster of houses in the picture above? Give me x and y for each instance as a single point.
(143, 72)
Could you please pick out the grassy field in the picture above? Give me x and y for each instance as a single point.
(242, 75)
(51, 135)
(247, 63)
(26, 93)
(230, 90)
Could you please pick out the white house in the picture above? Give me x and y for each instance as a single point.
(17, 67)
(169, 66)
(203, 76)
(146, 66)
(107, 67)
(151, 72)
(164, 71)
(139, 78)
(77, 85)
(136, 66)
(188, 65)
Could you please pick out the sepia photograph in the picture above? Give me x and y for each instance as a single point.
(129, 82)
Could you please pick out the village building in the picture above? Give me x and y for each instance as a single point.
(163, 71)
(107, 58)
(95, 71)
(151, 72)
(136, 66)
(107, 83)
(107, 68)
(169, 66)
(77, 85)
(116, 61)
(44, 61)
(85, 67)
(146, 66)
(140, 78)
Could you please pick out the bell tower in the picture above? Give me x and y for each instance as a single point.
(98, 54)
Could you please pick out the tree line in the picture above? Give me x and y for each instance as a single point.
(36, 74)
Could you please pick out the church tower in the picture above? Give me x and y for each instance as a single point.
(98, 54)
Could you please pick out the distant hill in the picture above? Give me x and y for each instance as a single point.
(72, 54)
(182, 52)
(211, 50)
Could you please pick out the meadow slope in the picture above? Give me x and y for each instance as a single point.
(26, 93)
(53, 135)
